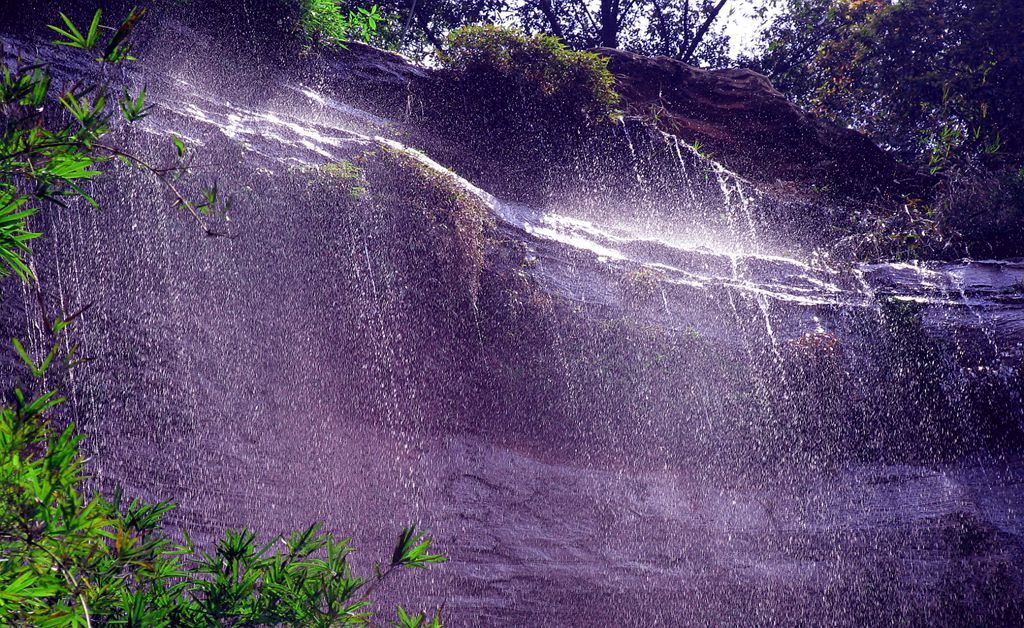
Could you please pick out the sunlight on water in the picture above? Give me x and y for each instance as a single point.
(788, 279)
(609, 372)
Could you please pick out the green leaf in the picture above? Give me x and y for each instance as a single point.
(411, 550)
(73, 36)
(37, 370)
(179, 146)
(134, 109)
(94, 30)
(23, 354)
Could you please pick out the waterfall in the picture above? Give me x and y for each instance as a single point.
(610, 411)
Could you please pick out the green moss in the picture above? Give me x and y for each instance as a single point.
(640, 286)
(445, 228)
(543, 61)
(346, 171)
(343, 169)
(349, 172)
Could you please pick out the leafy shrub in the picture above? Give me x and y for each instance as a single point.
(51, 145)
(538, 63)
(970, 212)
(517, 108)
(327, 22)
(70, 559)
(982, 213)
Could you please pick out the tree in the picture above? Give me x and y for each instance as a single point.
(941, 83)
(937, 78)
(423, 25)
(684, 29)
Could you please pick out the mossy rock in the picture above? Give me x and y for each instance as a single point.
(540, 66)
(442, 227)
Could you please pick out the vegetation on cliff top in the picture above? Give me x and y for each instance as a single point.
(577, 81)
(937, 82)
(690, 30)
(324, 21)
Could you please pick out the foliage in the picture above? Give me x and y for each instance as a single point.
(971, 213)
(540, 102)
(937, 78)
(914, 230)
(425, 24)
(684, 29)
(73, 559)
(940, 82)
(328, 22)
(540, 64)
(52, 144)
(70, 558)
(676, 28)
(982, 212)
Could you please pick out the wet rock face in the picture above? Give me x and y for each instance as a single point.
(749, 125)
(595, 421)
(378, 80)
(735, 114)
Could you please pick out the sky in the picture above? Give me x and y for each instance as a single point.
(741, 26)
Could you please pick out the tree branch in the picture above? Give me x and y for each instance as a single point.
(179, 198)
(423, 21)
(662, 27)
(590, 18)
(703, 30)
(544, 6)
(68, 577)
